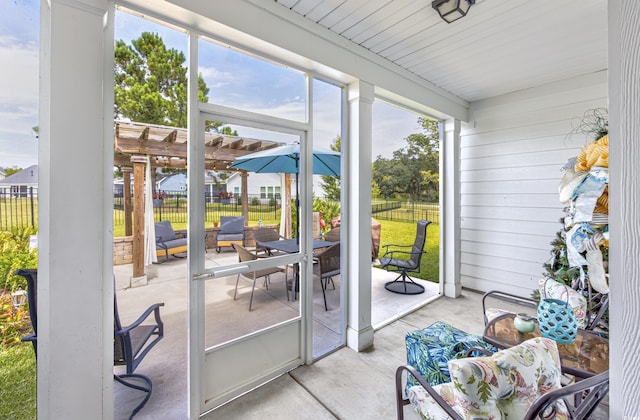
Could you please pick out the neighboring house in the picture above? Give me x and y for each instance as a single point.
(178, 183)
(18, 184)
(265, 186)
(2, 174)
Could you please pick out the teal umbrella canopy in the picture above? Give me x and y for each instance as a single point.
(285, 160)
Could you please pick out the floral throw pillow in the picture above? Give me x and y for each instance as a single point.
(507, 383)
(554, 290)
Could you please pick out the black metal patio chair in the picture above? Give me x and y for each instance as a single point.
(406, 262)
(132, 343)
(31, 275)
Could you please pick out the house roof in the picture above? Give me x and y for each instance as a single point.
(27, 176)
(167, 146)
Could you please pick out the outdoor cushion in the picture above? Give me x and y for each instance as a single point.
(164, 231)
(503, 385)
(554, 290)
(426, 406)
(429, 350)
(231, 225)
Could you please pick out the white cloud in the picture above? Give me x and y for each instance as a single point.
(18, 101)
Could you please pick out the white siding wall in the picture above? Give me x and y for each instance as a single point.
(511, 160)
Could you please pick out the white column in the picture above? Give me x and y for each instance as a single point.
(450, 207)
(624, 210)
(356, 186)
(75, 266)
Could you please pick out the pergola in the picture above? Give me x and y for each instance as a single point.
(167, 148)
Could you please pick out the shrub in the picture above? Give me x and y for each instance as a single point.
(255, 201)
(15, 254)
(14, 322)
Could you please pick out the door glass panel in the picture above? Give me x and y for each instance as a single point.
(328, 322)
(235, 305)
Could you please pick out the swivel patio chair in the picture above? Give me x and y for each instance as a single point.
(131, 344)
(246, 255)
(406, 262)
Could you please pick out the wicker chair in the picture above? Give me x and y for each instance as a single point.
(329, 263)
(246, 255)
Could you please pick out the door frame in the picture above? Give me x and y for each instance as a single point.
(221, 373)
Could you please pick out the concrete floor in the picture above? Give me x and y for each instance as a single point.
(166, 364)
(345, 384)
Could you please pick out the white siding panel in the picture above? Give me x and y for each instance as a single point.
(492, 279)
(517, 173)
(526, 227)
(557, 157)
(511, 213)
(521, 251)
(511, 160)
(507, 239)
(513, 187)
(514, 200)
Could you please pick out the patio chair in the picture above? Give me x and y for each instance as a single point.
(406, 262)
(329, 263)
(505, 384)
(31, 275)
(265, 235)
(246, 255)
(167, 242)
(333, 235)
(231, 232)
(131, 344)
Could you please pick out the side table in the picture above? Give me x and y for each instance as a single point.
(588, 355)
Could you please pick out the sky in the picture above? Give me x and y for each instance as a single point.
(234, 79)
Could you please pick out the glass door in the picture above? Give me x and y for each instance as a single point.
(247, 291)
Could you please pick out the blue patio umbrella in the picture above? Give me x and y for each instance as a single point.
(285, 160)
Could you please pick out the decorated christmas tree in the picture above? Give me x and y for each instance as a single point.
(580, 250)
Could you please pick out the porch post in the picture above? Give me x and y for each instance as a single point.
(75, 259)
(138, 219)
(244, 194)
(126, 191)
(450, 206)
(624, 210)
(356, 187)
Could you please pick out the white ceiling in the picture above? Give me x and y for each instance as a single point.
(501, 46)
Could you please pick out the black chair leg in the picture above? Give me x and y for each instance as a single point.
(324, 286)
(147, 389)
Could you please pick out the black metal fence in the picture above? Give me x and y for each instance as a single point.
(18, 207)
(405, 211)
(173, 207)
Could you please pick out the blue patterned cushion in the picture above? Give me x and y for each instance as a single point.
(429, 350)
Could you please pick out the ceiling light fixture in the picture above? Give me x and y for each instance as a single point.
(452, 10)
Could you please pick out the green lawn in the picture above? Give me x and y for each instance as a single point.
(18, 390)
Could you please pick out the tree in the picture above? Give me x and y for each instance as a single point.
(331, 184)
(151, 83)
(11, 171)
(413, 170)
